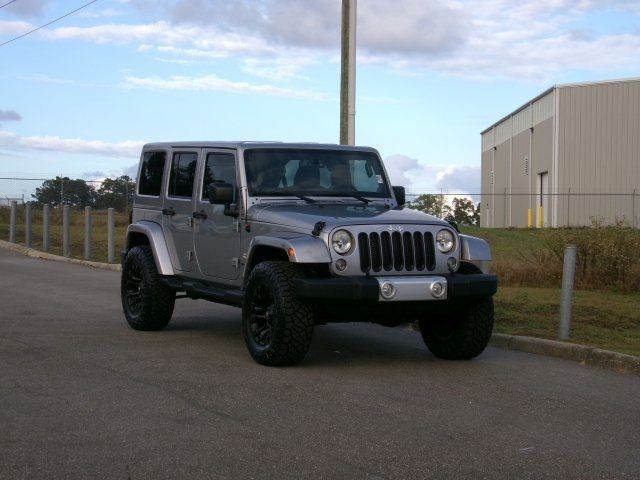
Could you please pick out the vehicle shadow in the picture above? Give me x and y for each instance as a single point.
(332, 344)
(364, 343)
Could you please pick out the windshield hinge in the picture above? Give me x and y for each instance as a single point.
(236, 226)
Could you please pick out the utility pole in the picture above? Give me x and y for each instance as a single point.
(348, 74)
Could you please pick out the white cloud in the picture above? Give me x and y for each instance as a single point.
(419, 177)
(215, 83)
(14, 28)
(276, 69)
(482, 39)
(13, 142)
(166, 34)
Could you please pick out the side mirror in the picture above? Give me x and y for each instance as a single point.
(398, 192)
(220, 193)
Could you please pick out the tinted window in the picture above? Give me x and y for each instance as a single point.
(220, 167)
(183, 171)
(315, 172)
(151, 171)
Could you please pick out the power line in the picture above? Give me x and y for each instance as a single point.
(47, 24)
(8, 3)
(45, 179)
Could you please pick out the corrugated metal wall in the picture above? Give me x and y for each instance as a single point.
(599, 153)
(517, 150)
(593, 167)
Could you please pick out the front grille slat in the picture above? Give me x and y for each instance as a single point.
(407, 243)
(398, 254)
(430, 251)
(399, 251)
(365, 257)
(376, 252)
(387, 256)
(418, 242)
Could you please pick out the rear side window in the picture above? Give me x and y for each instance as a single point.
(150, 181)
(220, 167)
(183, 172)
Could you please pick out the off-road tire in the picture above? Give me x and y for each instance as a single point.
(292, 319)
(156, 301)
(461, 335)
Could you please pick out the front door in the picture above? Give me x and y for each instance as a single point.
(216, 235)
(177, 220)
(543, 199)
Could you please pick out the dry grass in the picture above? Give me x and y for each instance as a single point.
(607, 257)
(99, 238)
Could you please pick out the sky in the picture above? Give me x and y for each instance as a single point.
(81, 96)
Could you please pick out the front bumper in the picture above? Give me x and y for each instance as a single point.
(407, 288)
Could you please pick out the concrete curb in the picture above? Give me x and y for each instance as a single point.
(585, 355)
(30, 252)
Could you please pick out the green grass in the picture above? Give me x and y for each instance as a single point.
(507, 244)
(606, 320)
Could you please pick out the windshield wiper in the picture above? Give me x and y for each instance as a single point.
(362, 199)
(357, 197)
(286, 194)
(305, 198)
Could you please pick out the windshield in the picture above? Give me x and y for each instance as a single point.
(335, 173)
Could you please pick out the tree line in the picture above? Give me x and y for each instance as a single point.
(118, 192)
(463, 210)
(110, 193)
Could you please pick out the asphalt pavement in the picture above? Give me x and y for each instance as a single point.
(84, 396)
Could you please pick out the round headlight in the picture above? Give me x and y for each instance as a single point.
(341, 241)
(445, 241)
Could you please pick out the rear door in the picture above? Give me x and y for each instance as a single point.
(216, 235)
(178, 208)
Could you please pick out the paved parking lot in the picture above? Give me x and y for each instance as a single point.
(84, 396)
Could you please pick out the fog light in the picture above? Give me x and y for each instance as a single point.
(452, 263)
(387, 290)
(341, 264)
(437, 289)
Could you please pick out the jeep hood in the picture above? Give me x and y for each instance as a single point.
(305, 216)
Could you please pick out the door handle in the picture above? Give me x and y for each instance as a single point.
(168, 211)
(201, 215)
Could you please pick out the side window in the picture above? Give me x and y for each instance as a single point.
(220, 167)
(150, 181)
(183, 172)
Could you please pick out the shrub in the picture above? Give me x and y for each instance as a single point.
(606, 257)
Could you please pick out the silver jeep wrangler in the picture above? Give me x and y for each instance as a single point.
(298, 235)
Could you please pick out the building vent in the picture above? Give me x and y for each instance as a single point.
(526, 166)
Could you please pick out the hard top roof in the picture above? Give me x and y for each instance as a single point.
(252, 144)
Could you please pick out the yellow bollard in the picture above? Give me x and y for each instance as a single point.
(529, 218)
(541, 219)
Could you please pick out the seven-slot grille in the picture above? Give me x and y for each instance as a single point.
(396, 251)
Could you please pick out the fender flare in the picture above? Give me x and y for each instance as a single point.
(155, 235)
(474, 249)
(305, 248)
